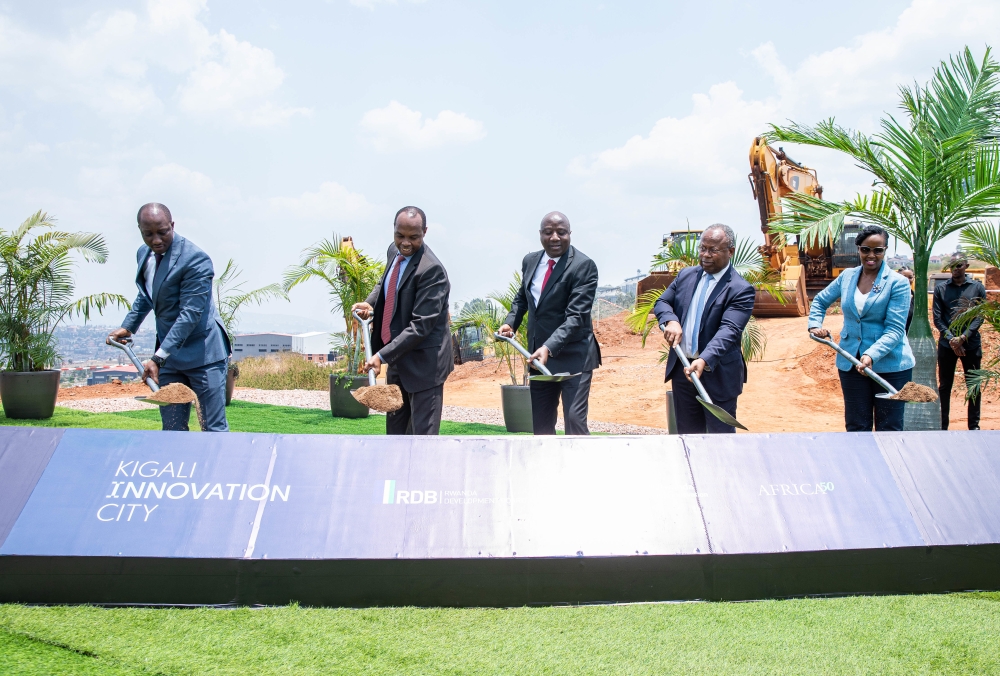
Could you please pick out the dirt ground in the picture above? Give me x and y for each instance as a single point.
(795, 388)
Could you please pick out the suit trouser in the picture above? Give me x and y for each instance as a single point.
(692, 418)
(575, 394)
(947, 361)
(421, 412)
(863, 411)
(209, 383)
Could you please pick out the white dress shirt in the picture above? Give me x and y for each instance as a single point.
(706, 279)
(149, 273)
(539, 276)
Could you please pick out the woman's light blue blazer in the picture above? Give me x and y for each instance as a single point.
(880, 330)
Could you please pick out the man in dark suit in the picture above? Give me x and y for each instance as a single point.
(704, 311)
(175, 283)
(410, 333)
(558, 285)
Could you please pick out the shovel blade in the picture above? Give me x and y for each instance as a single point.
(554, 378)
(722, 414)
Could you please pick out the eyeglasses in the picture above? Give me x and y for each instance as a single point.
(877, 250)
(710, 251)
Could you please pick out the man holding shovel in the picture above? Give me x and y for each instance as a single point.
(704, 311)
(175, 283)
(558, 286)
(410, 331)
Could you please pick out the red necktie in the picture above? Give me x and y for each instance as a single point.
(545, 280)
(390, 301)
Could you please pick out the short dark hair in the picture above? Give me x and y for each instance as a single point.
(153, 205)
(412, 211)
(869, 231)
(956, 258)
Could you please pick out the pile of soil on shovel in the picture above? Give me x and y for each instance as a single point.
(177, 393)
(914, 392)
(382, 398)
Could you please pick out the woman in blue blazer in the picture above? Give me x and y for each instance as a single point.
(875, 301)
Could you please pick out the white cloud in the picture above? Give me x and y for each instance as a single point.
(372, 4)
(706, 149)
(106, 64)
(396, 127)
(331, 201)
(177, 178)
(239, 82)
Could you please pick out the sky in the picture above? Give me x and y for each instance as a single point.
(267, 126)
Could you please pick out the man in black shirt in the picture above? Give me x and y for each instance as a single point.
(949, 300)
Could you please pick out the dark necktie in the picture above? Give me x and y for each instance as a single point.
(390, 300)
(159, 259)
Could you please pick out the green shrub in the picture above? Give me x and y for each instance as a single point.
(284, 371)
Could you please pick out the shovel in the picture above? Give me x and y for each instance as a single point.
(179, 391)
(547, 376)
(892, 391)
(382, 398)
(703, 398)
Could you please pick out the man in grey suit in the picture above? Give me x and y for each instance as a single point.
(411, 331)
(175, 283)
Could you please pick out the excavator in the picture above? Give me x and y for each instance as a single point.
(804, 271)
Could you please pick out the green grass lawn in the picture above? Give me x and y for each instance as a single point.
(246, 417)
(956, 633)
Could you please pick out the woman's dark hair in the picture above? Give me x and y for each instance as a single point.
(869, 231)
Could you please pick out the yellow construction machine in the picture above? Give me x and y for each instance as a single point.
(804, 271)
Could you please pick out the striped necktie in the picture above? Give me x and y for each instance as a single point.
(390, 301)
(699, 308)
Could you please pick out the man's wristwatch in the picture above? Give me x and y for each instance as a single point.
(157, 359)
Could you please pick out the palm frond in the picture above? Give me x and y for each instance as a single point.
(982, 241)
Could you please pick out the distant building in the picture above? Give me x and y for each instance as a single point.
(260, 344)
(123, 373)
(314, 346)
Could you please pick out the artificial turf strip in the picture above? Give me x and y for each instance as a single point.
(20, 654)
(245, 416)
(956, 633)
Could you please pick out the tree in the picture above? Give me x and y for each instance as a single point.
(936, 172)
(488, 316)
(36, 290)
(230, 298)
(350, 276)
(747, 261)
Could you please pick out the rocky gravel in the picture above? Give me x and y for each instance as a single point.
(321, 400)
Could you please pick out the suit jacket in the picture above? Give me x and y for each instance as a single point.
(879, 330)
(727, 312)
(561, 321)
(420, 350)
(188, 326)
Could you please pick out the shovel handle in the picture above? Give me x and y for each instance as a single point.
(524, 353)
(368, 345)
(125, 345)
(694, 378)
(854, 360)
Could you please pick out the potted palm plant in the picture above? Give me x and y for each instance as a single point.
(488, 317)
(229, 300)
(36, 293)
(350, 276)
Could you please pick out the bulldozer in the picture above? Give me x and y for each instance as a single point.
(804, 271)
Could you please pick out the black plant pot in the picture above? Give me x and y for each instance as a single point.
(342, 402)
(29, 395)
(516, 400)
(230, 385)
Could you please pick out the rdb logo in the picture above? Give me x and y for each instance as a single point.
(390, 496)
